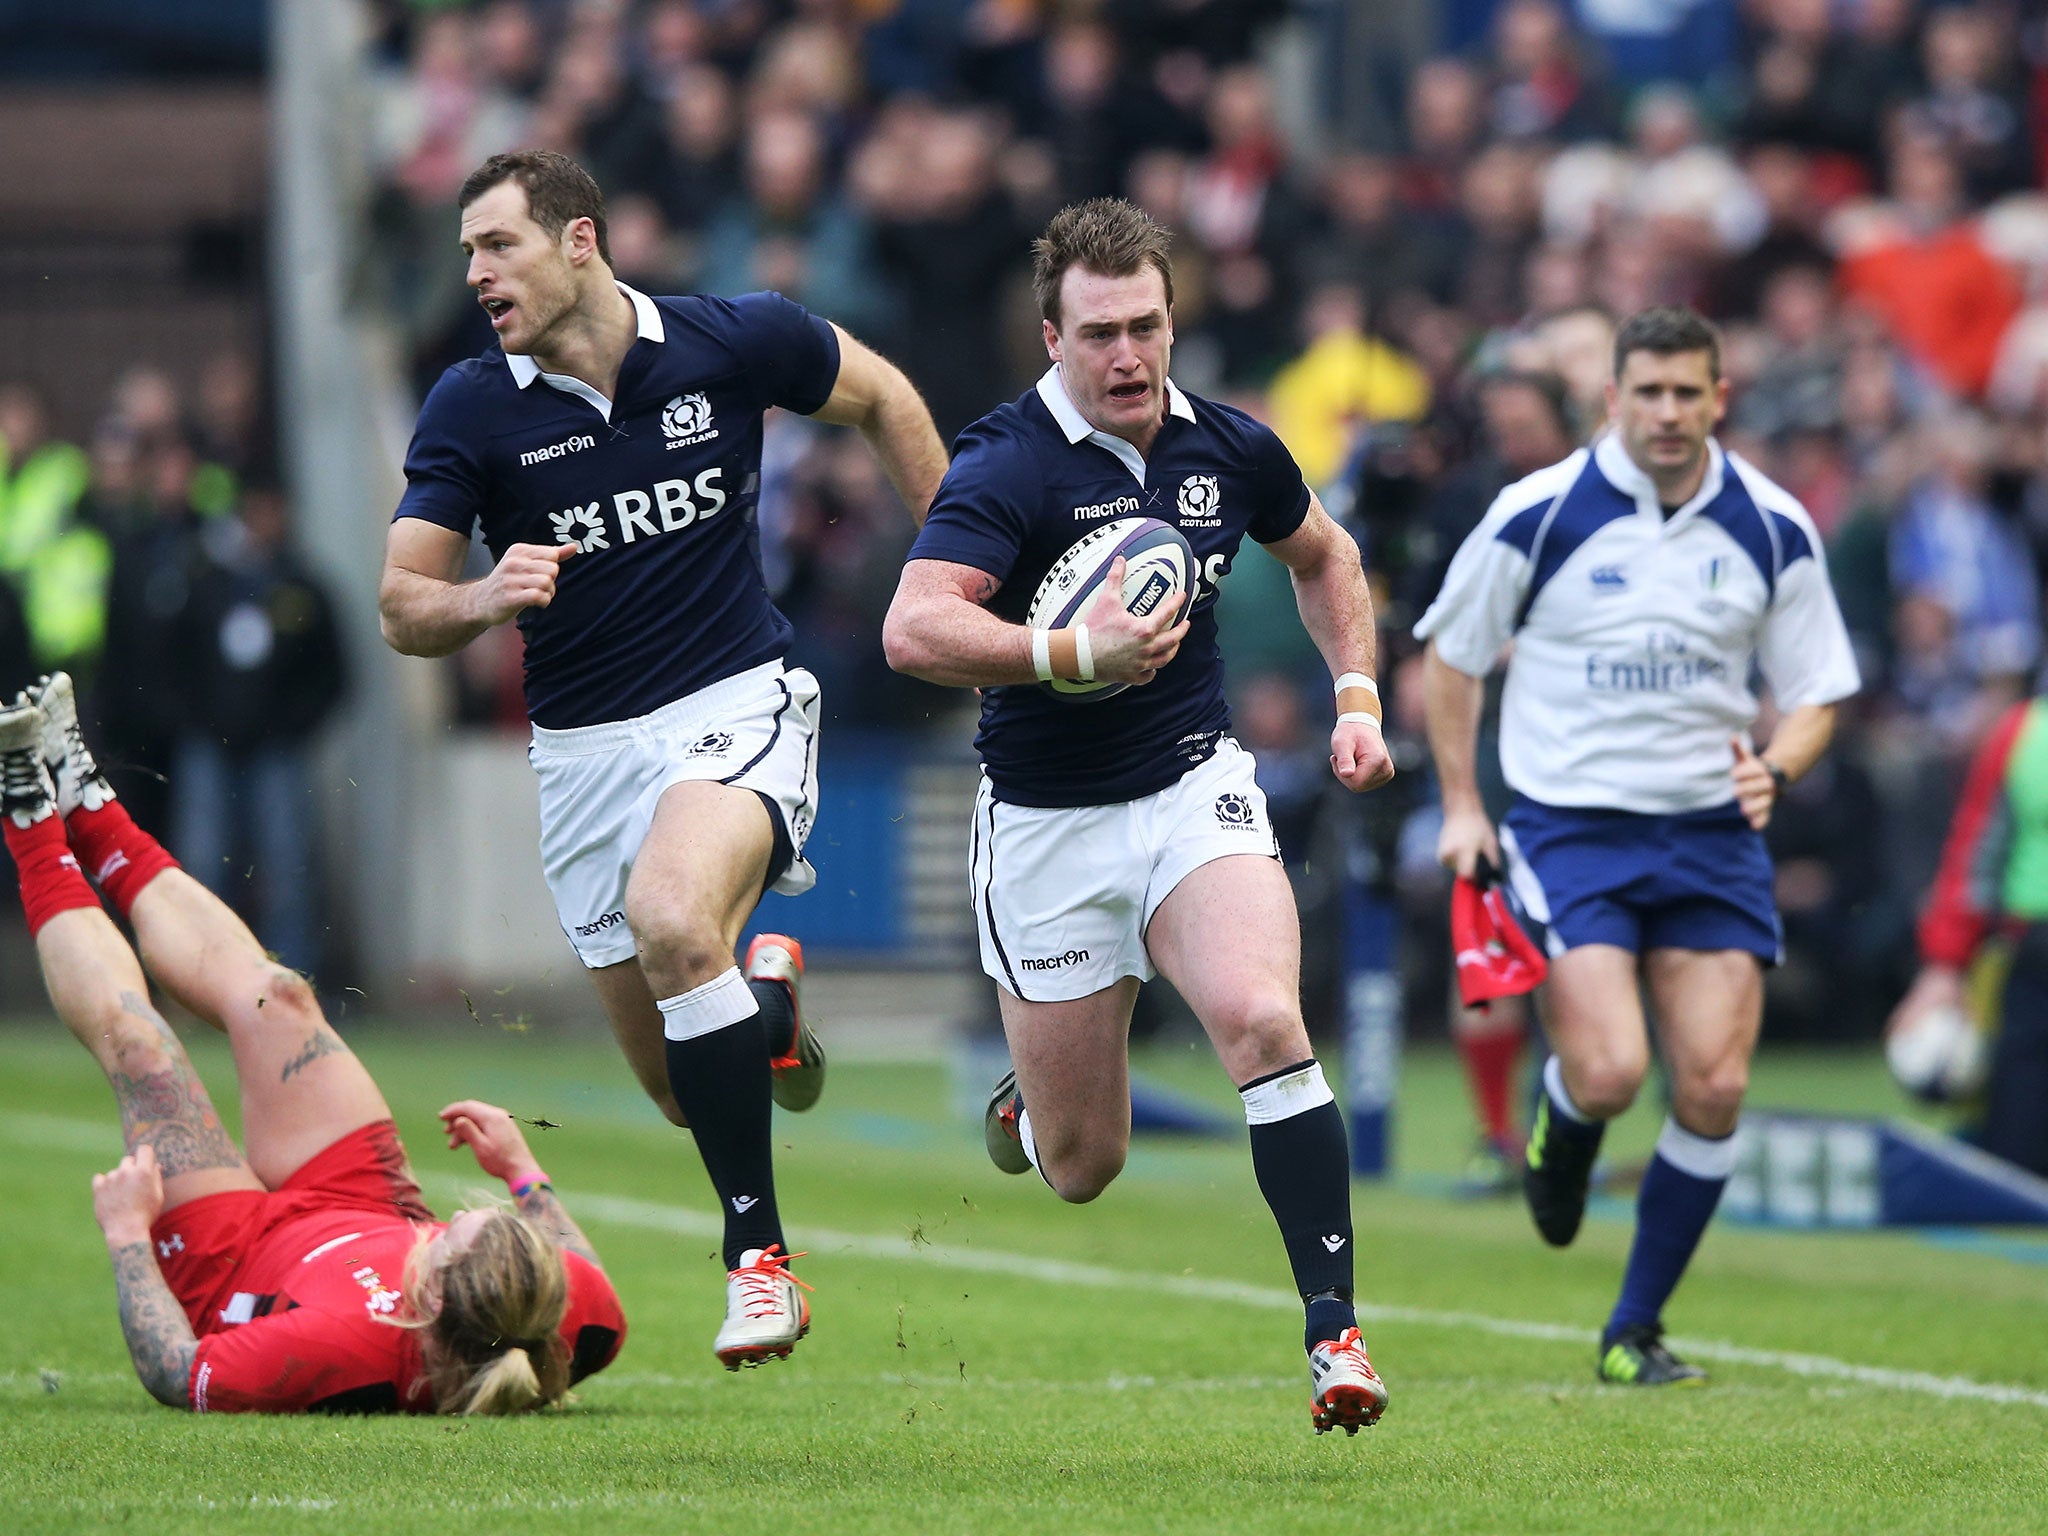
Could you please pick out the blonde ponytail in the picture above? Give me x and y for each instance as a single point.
(490, 1319)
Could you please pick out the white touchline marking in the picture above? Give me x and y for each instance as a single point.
(650, 1215)
(84, 1135)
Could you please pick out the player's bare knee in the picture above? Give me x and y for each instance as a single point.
(282, 997)
(1709, 1103)
(1082, 1179)
(678, 948)
(1606, 1087)
(1260, 1037)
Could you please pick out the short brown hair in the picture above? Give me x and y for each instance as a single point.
(1664, 331)
(558, 190)
(1105, 235)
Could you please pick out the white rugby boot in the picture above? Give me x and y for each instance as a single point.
(1000, 1133)
(80, 784)
(799, 1071)
(1349, 1394)
(27, 795)
(765, 1311)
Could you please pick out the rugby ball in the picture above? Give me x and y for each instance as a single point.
(1159, 568)
(1938, 1056)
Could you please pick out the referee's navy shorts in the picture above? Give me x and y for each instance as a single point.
(1690, 880)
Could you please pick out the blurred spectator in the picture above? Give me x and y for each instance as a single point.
(789, 230)
(156, 558)
(258, 665)
(699, 171)
(1446, 127)
(949, 239)
(1993, 884)
(1343, 380)
(1919, 263)
(1975, 95)
(1525, 425)
(1543, 84)
(56, 563)
(1969, 627)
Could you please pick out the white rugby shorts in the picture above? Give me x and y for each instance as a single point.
(1062, 896)
(599, 784)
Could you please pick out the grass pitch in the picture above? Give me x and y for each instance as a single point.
(984, 1359)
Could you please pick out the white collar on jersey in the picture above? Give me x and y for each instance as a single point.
(1626, 476)
(648, 321)
(1052, 389)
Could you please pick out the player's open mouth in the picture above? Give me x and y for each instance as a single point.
(1129, 394)
(499, 310)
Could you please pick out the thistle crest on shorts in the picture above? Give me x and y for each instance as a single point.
(716, 744)
(1234, 810)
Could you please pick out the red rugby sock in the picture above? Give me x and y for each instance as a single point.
(117, 853)
(50, 879)
(1490, 1062)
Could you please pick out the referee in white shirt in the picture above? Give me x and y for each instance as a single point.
(1644, 582)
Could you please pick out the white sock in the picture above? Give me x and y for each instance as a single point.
(722, 1001)
(1024, 1135)
(1704, 1157)
(1282, 1098)
(1553, 1084)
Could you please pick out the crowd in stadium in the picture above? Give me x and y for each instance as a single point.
(1407, 254)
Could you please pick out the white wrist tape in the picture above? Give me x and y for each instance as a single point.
(1041, 654)
(1358, 717)
(1357, 680)
(1084, 654)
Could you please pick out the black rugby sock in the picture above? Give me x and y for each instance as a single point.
(1302, 1160)
(778, 1015)
(720, 1080)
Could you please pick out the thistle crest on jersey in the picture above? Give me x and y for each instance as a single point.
(1201, 504)
(687, 419)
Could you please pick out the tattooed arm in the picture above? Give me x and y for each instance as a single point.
(501, 1151)
(543, 1207)
(160, 1339)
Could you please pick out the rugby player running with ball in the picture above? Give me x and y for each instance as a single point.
(609, 447)
(1125, 836)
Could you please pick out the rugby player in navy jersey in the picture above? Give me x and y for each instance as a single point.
(609, 448)
(1642, 580)
(1124, 836)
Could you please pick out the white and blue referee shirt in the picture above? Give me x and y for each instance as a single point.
(1637, 635)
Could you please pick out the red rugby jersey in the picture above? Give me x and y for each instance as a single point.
(311, 1331)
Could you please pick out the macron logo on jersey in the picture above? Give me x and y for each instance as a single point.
(1123, 506)
(566, 446)
(668, 506)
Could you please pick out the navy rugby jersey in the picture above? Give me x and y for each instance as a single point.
(1028, 480)
(656, 489)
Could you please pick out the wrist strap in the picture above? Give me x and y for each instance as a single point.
(1359, 717)
(1041, 654)
(1084, 654)
(1357, 680)
(1358, 694)
(1780, 779)
(527, 1185)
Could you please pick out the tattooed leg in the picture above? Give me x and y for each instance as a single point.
(302, 1087)
(162, 1100)
(97, 986)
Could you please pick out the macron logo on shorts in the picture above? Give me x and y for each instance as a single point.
(1055, 962)
(609, 920)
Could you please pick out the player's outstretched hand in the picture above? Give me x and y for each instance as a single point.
(1359, 756)
(524, 579)
(128, 1198)
(1755, 790)
(1127, 648)
(492, 1135)
(1465, 836)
